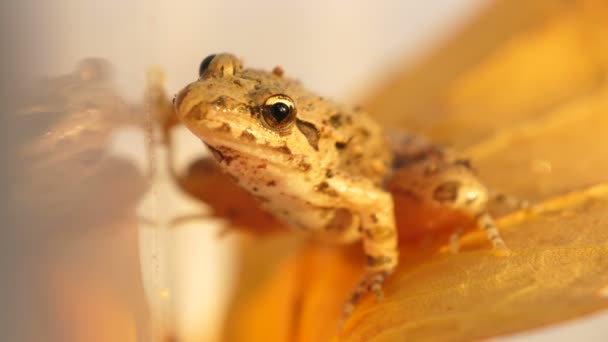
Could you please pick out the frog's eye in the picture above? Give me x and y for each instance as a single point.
(279, 112)
(205, 64)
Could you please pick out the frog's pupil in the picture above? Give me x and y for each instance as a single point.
(280, 111)
(205, 64)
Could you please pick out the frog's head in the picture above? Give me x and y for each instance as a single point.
(246, 112)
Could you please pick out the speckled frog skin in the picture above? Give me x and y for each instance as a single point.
(318, 166)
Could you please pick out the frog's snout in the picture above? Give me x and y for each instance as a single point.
(222, 65)
(179, 98)
(189, 109)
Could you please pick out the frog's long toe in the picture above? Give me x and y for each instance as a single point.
(487, 224)
(371, 283)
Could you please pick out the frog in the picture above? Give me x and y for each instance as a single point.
(321, 167)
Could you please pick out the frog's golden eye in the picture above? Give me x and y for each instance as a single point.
(279, 112)
(205, 64)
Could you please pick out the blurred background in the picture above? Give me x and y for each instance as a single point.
(90, 250)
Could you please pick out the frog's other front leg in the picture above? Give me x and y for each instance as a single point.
(486, 223)
(379, 245)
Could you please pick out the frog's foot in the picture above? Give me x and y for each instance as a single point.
(379, 235)
(371, 283)
(487, 224)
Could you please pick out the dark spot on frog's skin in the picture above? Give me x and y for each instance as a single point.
(378, 261)
(220, 156)
(303, 166)
(310, 132)
(242, 108)
(254, 109)
(336, 120)
(446, 192)
(220, 101)
(342, 218)
(247, 136)
(216, 153)
(224, 127)
(340, 145)
(228, 159)
(237, 82)
(374, 218)
(261, 166)
(324, 187)
(278, 71)
(365, 132)
(282, 149)
(404, 159)
(329, 173)
(271, 183)
(255, 189)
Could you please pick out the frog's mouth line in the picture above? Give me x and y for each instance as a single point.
(203, 121)
(231, 148)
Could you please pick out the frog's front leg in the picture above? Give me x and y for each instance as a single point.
(379, 235)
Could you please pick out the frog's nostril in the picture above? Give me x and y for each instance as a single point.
(447, 192)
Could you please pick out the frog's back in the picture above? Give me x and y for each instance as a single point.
(365, 151)
(352, 142)
(355, 142)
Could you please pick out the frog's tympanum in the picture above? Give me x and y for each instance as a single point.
(318, 166)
